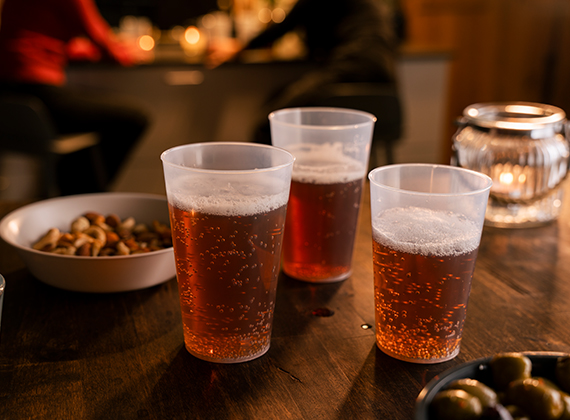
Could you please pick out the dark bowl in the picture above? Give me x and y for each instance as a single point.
(543, 364)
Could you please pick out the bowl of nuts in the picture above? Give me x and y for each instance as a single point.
(99, 243)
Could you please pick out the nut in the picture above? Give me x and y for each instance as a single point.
(48, 241)
(123, 249)
(97, 233)
(80, 224)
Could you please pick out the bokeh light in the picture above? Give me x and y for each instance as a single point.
(192, 35)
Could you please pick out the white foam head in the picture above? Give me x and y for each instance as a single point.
(426, 232)
(227, 198)
(324, 164)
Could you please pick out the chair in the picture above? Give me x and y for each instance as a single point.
(381, 100)
(26, 127)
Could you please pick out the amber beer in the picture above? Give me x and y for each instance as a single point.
(423, 264)
(227, 267)
(324, 203)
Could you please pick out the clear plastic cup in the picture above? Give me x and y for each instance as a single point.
(227, 204)
(427, 222)
(331, 147)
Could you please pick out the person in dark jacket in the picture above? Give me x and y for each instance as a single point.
(346, 41)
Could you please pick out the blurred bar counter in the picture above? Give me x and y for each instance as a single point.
(189, 103)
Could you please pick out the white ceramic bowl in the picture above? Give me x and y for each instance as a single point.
(26, 225)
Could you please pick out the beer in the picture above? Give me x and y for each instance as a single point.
(322, 217)
(423, 264)
(227, 254)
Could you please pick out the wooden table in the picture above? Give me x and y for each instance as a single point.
(66, 355)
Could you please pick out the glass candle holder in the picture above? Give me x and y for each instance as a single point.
(522, 147)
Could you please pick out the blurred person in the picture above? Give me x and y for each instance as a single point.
(346, 40)
(37, 39)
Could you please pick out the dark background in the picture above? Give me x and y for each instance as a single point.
(163, 13)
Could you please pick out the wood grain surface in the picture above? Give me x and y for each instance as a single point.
(67, 355)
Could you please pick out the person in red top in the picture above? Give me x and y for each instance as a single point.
(36, 39)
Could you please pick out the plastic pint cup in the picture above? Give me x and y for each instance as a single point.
(331, 147)
(227, 204)
(427, 222)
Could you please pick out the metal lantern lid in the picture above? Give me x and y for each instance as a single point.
(525, 118)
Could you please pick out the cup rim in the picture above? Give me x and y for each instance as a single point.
(289, 162)
(371, 119)
(489, 181)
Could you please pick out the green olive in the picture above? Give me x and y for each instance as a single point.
(455, 404)
(507, 367)
(562, 373)
(536, 398)
(486, 395)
